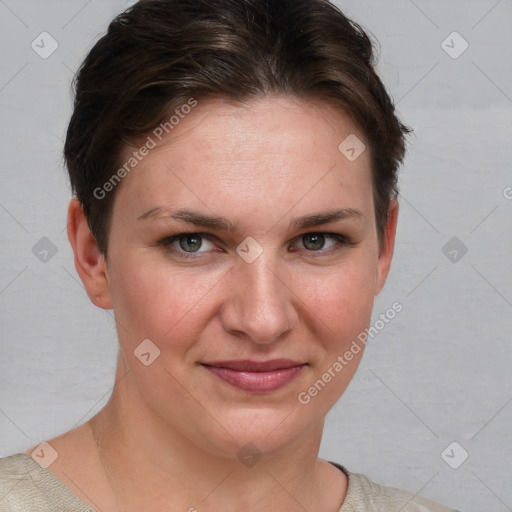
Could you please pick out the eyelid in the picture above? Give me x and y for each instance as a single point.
(169, 240)
(341, 241)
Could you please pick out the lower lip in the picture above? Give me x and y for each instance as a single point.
(257, 382)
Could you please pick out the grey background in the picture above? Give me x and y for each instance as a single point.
(438, 373)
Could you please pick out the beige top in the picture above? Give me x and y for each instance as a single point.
(25, 486)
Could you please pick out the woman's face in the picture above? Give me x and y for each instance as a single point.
(264, 248)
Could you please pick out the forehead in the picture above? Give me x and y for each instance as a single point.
(271, 150)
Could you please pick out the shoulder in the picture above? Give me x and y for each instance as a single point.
(364, 495)
(25, 485)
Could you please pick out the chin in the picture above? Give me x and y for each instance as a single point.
(262, 431)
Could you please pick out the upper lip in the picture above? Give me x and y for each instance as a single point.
(248, 365)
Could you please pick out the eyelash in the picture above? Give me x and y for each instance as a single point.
(341, 241)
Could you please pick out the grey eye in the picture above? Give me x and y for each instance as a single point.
(190, 243)
(314, 241)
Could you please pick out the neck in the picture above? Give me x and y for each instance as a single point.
(149, 465)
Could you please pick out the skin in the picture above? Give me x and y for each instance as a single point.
(259, 165)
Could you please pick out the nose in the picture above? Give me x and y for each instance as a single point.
(258, 305)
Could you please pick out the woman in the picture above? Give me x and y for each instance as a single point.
(234, 166)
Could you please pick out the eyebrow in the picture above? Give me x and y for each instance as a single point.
(192, 217)
(223, 224)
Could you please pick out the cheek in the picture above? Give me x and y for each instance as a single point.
(153, 301)
(342, 304)
(343, 299)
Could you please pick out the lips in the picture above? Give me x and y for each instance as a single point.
(256, 376)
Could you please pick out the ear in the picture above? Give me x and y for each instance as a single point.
(387, 246)
(89, 262)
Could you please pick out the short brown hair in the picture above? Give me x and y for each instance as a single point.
(159, 54)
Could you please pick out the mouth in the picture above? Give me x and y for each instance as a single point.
(256, 377)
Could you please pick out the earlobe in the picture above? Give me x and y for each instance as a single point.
(387, 246)
(89, 262)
